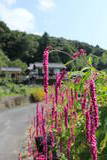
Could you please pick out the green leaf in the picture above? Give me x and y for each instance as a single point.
(90, 60)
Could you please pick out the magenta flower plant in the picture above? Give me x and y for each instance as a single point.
(79, 53)
(69, 112)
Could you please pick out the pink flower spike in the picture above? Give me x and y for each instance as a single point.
(88, 126)
(94, 151)
(57, 86)
(50, 156)
(59, 78)
(56, 119)
(20, 156)
(66, 116)
(52, 138)
(79, 53)
(82, 51)
(94, 103)
(84, 101)
(45, 67)
(41, 157)
(93, 142)
(69, 149)
(37, 119)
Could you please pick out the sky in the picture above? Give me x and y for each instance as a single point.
(82, 20)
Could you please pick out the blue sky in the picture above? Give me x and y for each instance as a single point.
(83, 20)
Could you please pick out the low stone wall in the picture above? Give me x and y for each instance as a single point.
(14, 101)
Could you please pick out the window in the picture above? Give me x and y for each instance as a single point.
(51, 71)
(56, 70)
(40, 72)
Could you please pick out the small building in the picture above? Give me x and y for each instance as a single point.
(10, 72)
(36, 70)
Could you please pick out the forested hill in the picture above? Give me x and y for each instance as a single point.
(17, 47)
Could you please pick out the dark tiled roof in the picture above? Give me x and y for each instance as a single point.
(10, 69)
(51, 65)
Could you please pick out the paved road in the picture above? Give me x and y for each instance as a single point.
(13, 124)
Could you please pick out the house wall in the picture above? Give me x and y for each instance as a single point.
(13, 75)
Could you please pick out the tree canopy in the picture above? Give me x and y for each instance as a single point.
(29, 48)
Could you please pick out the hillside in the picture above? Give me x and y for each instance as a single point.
(19, 48)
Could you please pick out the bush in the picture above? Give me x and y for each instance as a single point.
(11, 89)
(37, 94)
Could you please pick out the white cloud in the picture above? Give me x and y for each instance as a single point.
(9, 2)
(17, 18)
(20, 19)
(46, 4)
(38, 33)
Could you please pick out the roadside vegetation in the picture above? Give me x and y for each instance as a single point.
(8, 88)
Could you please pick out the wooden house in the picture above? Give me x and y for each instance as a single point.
(10, 72)
(36, 70)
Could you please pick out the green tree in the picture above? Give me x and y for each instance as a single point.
(97, 51)
(3, 27)
(4, 60)
(29, 48)
(43, 43)
(17, 45)
(18, 63)
(30, 55)
(104, 58)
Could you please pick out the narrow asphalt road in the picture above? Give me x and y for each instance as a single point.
(13, 124)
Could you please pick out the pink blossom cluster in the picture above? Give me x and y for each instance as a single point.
(93, 141)
(92, 121)
(62, 74)
(94, 152)
(40, 157)
(84, 101)
(66, 116)
(45, 67)
(90, 134)
(59, 78)
(69, 149)
(88, 126)
(57, 86)
(20, 156)
(79, 53)
(94, 103)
